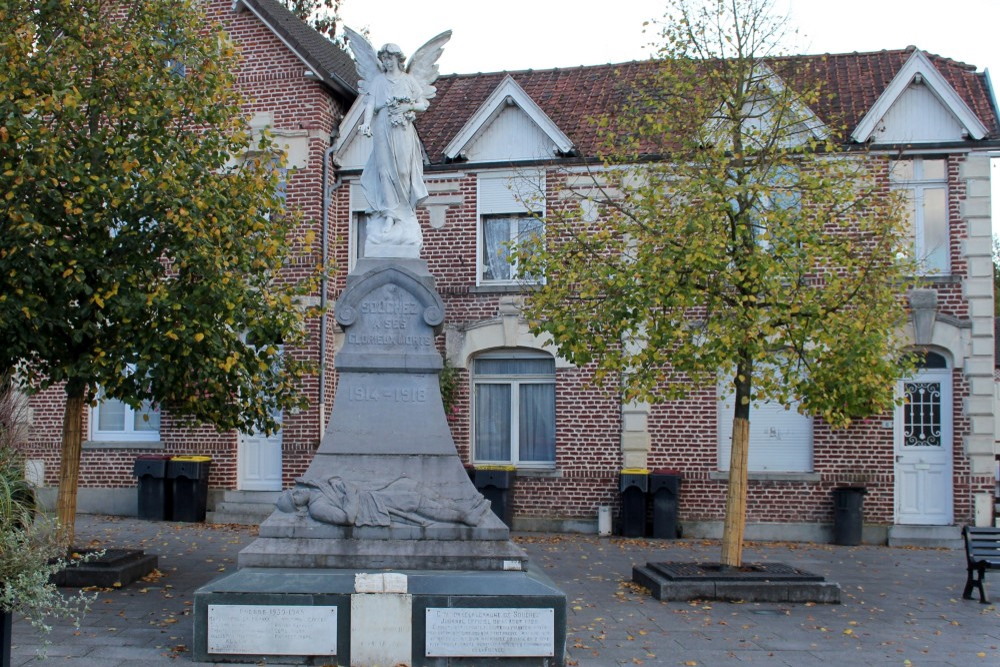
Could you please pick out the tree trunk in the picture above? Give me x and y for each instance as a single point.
(736, 495)
(69, 466)
(736, 492)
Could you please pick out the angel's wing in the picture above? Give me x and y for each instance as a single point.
(423, 65)
(365, 59)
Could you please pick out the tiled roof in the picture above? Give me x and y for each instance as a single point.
(329, 61)
(573, 96)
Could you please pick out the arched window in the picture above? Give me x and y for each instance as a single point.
(514, 408)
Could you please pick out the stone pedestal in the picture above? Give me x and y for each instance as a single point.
(386, 491)
(426, 617)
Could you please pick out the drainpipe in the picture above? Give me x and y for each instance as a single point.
(328, 191)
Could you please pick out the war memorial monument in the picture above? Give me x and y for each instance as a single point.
(384, 553)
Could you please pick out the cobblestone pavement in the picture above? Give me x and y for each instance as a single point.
(900, 606)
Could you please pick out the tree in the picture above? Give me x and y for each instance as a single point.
(738, 243)
(322, 15)
(141, 242)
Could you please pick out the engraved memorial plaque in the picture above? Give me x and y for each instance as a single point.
(496, 632)
(272, 629)
(381, 629)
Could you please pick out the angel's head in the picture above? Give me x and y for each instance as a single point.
(393, 51)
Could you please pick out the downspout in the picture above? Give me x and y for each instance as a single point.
(325, 281)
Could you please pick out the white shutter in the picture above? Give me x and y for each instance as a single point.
(780, 440)
(358, 200)
(512, 192)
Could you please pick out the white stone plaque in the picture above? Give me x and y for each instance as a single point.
(381, 629)
(272, 629)
(499, 632)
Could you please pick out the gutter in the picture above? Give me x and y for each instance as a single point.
(328, 191)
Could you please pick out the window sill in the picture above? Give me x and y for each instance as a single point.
(503, 288)
(114, 444)
(940, 279)
(771, 476)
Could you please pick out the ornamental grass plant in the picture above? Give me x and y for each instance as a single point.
(30, 551)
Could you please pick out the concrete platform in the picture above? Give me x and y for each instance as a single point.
(348, 625)
(755, 582)
(117, 567)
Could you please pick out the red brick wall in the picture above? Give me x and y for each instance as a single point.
(588, 420)
(272, 79)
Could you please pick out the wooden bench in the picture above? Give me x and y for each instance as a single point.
(982, 552)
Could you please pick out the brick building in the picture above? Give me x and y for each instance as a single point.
(930, 123)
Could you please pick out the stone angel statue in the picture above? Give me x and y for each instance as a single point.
(393, 177)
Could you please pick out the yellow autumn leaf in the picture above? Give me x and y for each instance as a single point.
(198, 337)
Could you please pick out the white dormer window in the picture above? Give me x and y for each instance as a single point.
(924, 184)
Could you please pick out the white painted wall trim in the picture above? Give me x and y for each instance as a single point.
(919, 63)
(507, 92)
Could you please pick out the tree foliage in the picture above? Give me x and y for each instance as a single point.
(323, 15)
(142, 237)
(737, 244)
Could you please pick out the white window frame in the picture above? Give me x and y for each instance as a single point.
(128, 433)
(917, 186)
(358, 216)
(514, 382)
(507, 194)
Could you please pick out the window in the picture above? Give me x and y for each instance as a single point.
(780, 439)
(111, 420)
(923, 183)
(511, 211)
(514, 409)
(500, 234)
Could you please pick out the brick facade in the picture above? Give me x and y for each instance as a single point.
(591, 429)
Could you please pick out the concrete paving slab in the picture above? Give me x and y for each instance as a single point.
(898, 604)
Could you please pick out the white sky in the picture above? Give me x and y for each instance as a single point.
(494, 35)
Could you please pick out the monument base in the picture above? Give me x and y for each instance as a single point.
(360, 617)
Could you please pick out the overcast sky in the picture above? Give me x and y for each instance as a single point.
(539, 34)
(499, 35)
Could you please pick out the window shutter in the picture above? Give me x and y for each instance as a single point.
(512, 192)
(780, 440)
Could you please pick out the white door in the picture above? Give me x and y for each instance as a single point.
(923, 427)
(258, 460)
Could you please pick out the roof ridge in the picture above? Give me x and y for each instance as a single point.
(532, 70)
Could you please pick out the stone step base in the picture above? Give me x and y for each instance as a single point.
(247, 508)
(937, 537)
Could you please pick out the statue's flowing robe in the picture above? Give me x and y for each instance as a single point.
(393, 177)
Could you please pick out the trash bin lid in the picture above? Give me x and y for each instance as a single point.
(154, 457)
(198, 459)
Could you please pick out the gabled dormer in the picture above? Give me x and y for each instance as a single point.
(508, 127)
(919, 106)
(351, 148)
